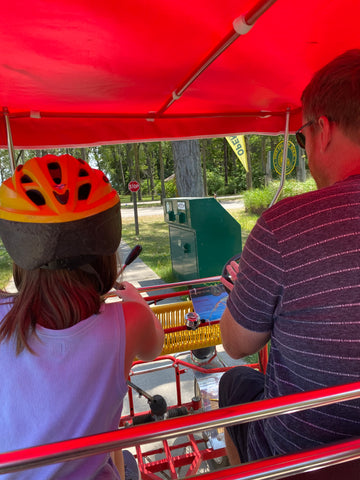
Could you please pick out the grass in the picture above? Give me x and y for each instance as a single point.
(246, 220)
(126, 200)
(5, 267)
(259, 199)
(154, 238)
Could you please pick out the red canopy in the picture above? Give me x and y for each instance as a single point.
(86, 72)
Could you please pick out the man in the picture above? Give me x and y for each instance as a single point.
(298, 283)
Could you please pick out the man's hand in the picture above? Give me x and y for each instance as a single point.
(232, 270)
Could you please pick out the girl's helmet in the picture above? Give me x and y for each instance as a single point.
(58, 212)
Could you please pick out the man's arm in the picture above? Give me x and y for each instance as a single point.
(238, 341)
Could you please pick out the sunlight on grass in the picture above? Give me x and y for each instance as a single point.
(247, 222)
(154, 238)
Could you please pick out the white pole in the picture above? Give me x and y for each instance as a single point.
(9, 140)
(283, 166)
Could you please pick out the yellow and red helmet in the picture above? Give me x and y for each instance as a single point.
(57, 211)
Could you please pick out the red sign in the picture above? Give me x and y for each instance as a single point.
(133, 186)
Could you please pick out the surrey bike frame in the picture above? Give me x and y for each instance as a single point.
(342, 453)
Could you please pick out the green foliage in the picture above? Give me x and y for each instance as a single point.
(215, 183)
(236, 184)
(292, 187)
(5, 267)
(147, 162)
(170, 189)
(259, 199)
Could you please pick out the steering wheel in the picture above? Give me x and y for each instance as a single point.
(225, 273)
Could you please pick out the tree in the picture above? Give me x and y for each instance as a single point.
(150, 174)
(204, 155)
(249, 178)
(187, 166)
(162, 177)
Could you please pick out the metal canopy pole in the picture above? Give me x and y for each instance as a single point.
(9, 139)
(241, 26)
(284, 160)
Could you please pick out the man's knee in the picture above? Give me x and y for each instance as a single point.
(240, 385)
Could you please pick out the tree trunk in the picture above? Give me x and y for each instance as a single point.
(130, 162)
(300, 169)
(137, 168)
(117, 148)
(162, 174)
(84, 154)
(150, 171)
(268, 173)
(204, 155)
(226, 161)
(249, 173)
(263, 156)
(187, 165)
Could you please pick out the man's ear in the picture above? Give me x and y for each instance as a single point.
(325, 133)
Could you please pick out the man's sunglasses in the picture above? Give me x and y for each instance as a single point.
(300, 137)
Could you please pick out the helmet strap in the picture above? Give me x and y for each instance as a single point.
(82, 262)
(70, 263)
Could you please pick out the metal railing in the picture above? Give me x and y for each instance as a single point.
(277, 467)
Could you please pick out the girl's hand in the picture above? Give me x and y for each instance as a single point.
(128, 293)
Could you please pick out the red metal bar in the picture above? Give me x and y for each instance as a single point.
(164, 296)
(195, 281)
(191, 365)
(170, 463)
(291, 464)
(181, 328)
(194, 458)
(178, 384)
(263, 358)
(147, 116)
(173, 427)
(195, 464)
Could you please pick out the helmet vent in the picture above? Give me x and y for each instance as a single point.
(55, 172)
(84, 191)
(62, 198)
(26, 179)
(36, 197)
(83, 173)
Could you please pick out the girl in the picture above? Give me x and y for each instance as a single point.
(65, 354)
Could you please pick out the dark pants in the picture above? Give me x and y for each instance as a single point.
(240, 385)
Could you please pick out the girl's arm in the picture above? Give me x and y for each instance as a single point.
(144, 333)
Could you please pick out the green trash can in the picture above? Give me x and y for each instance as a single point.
(203, 236)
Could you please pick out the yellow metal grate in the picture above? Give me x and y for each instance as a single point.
(173, 315)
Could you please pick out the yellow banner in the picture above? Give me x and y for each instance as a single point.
(238, 145)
